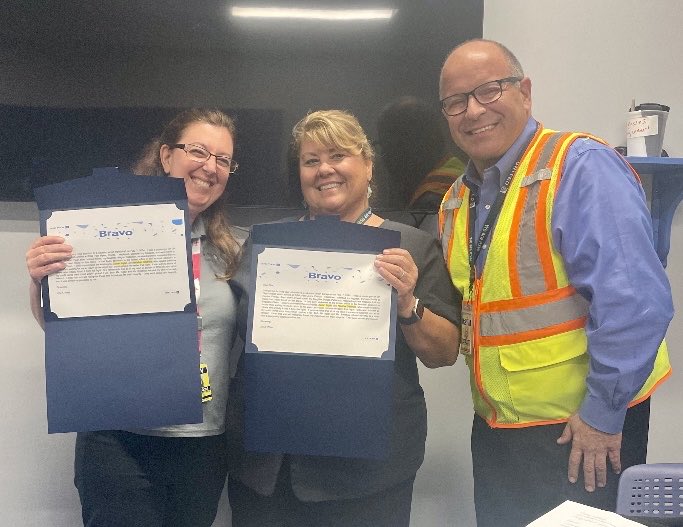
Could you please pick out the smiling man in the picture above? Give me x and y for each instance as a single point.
(565, 303)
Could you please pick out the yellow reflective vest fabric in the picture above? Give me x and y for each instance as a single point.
(529, 360)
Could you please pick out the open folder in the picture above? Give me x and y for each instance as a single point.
(126, 361)
(319, 355)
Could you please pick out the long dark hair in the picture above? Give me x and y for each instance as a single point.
(226, 248)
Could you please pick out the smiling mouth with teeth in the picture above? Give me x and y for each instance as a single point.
(329, 186)
(202, 183)
(480, 130)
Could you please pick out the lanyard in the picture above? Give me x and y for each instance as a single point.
(203, 367)
(474, 250)
(360, 220)
(365, 216)
(196, 271)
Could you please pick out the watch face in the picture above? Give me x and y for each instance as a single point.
(415, 316)
(419, 308)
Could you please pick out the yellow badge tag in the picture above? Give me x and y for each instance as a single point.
(466, 329)
(206, 384)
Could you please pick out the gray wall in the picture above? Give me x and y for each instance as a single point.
(577, 55)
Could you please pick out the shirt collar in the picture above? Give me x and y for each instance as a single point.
(504, 165)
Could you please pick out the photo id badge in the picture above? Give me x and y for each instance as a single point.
(466, 329)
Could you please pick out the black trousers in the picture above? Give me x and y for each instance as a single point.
(130, 480)
(389, 508)
(521, 473)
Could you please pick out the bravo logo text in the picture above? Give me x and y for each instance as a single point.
(114, 234)
(322, 276)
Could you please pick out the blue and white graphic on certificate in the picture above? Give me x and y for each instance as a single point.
(126, 260)
(320, 302)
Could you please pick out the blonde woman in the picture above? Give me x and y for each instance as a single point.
(336, 169)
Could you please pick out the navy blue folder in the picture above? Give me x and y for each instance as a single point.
(124, 371)
(318, 404)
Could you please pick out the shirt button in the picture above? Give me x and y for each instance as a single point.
(483, 246)
(487, 207)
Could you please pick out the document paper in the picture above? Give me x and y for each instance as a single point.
(572, 514)
(320, 302)
(126, 260)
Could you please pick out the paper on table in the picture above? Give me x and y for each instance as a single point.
(126, 260)
(320, 302)
(572, 514)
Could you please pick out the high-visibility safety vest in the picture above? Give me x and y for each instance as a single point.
(440, 179)
(529, 360)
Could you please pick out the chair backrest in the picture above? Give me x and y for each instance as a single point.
(652, 491)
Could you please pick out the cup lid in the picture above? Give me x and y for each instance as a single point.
(653, 106)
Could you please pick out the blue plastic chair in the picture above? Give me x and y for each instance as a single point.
(652, 492)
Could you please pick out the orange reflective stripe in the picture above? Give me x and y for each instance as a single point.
(542, 235)
(554, 141)
(652, 389)
(524, 320)
(451, 238)
(475, 350)
(493, 424)
(516, 338)
(515, 283)
(510, 304)
(538, 147)
(448, 230)
(543, 238)
(442, 213)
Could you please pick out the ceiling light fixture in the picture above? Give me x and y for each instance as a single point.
(312, 14)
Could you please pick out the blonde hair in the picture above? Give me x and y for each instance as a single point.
(335, 128)
(225, 247)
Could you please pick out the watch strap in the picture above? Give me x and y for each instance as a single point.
(415, 316)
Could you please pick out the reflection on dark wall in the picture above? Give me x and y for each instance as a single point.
(40, 146)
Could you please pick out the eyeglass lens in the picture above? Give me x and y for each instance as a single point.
(485, 94)
(201, 155)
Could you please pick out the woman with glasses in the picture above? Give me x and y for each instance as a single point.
(335, 162)
(171, 476)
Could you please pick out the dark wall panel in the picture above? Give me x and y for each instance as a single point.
(40, 145)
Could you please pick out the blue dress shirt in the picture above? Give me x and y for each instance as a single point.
(602, 228)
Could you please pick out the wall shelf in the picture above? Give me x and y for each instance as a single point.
(667, 193)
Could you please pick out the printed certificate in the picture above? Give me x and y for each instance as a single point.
(126, 260)
(320, 302)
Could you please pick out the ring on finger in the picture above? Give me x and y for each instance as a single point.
(403, 273)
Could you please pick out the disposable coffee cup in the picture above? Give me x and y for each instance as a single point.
(645, 130)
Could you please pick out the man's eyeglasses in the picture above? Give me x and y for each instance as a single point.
(201, 155)
(484, 94)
